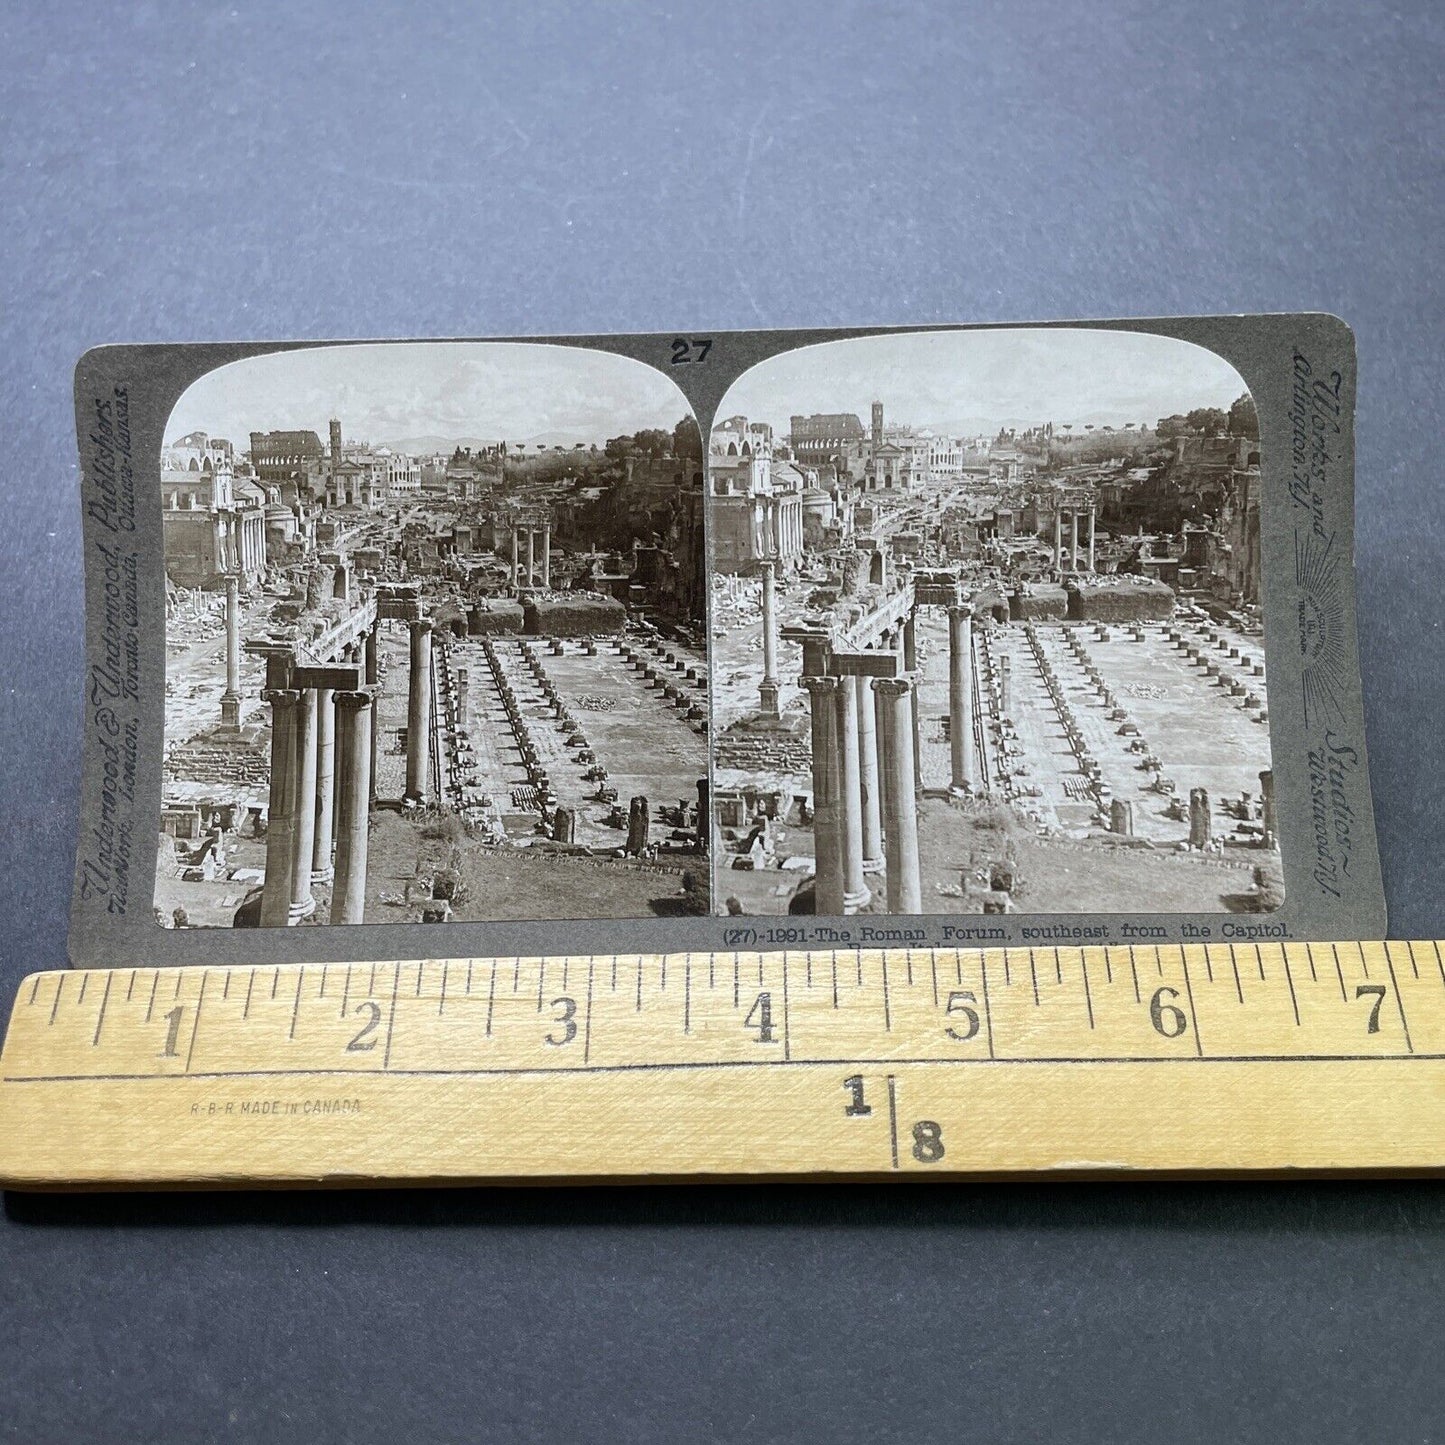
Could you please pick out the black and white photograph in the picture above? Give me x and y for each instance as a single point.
(435, 640)
(987, 630)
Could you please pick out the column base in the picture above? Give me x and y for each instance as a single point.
(873, 865)
(322, 875)
(963, 791)
(231, 710)
(768, 699)
(297, 911)
(853, 902)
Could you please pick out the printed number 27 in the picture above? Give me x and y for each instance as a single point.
(685, 350)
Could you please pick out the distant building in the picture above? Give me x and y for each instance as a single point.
(212, 524)
(286, 459)
(756, 504)
(819, 438)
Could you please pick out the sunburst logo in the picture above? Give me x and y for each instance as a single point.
(1321, 618)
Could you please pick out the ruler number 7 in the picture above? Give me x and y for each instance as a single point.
(1378, 990)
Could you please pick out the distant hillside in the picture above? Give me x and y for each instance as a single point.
(425, 445)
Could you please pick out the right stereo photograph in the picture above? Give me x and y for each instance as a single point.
(987, 632)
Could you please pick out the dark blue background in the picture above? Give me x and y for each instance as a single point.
(204, 171)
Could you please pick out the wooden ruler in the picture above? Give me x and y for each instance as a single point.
(925, 1063)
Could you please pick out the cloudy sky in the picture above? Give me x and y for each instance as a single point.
(972, 381)
(387, 392)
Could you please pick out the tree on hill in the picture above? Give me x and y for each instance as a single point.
(1243, 418)
(687, 440)
(1208, 420)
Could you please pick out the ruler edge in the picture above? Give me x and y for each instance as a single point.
(1061, 1173)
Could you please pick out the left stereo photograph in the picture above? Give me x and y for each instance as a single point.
(434, 640)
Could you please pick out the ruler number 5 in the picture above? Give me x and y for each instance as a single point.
(1378, 990)
(961, 1006)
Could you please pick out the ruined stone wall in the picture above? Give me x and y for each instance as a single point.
(1136, 599)
(574, 615)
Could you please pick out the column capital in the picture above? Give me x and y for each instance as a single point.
(421, 624)
(281, 696)
(354, 701)
(892, 686)
(821, 686)
(959, 611)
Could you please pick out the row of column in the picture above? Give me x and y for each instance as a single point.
(1074, 514)
(782, 529)
(321, 778)
(532, 579)
(865, 810)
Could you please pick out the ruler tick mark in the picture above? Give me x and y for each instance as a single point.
(324, 968)
(908, 960)
(893, 1118)
(491, 997)
(346, 990)
(1314, 977)
(246, 1011)
(130, 987)
(1234, 964)
(226, 985)
(686, 991)
(1088, 997)
(35, 987)
(1189, 991)
(155, 983)
(420, 967)
(469, 977)
(887, 1010)
(834, 957)
(1034, 977)
(933, 968)
(196, 1022)
(295, 1005)
(1439, 962)
(614, 971)
(371, 983)
(442, 1001)
(84, 980)
(100, 1020)
(1132, 969)
(787, 1015)
(587, 1019)
(1399, 1002)
(275, 982)
(1259, 958)
(987, 1007)
(391, 1016)
(1289, 979)
(542, 980)
(1340, 973)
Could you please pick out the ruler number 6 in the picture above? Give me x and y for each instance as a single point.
(1378, 990)
(1169, 1020)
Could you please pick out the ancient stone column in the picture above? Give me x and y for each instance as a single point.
(516, 579)
(303, 905)
(418, 712)
(768, 691)
(1074, 522)
(1201, 823)
(285, 703)
(827, 797)
(531, 556)
(1091, 539)
(325, 785)
(1058, 539)
(1121, 817)
(563, 823)
(372, 653)
(900, 806)
(1005, 685)
(231, 698)
(704, 814)
(547, 555)
(960, 699)
(353, 798)
(855, 886)
(910, 665)
(1266, 787)
(639, 824)
(868, 778)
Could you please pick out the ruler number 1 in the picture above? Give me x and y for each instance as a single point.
(173, 1032)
